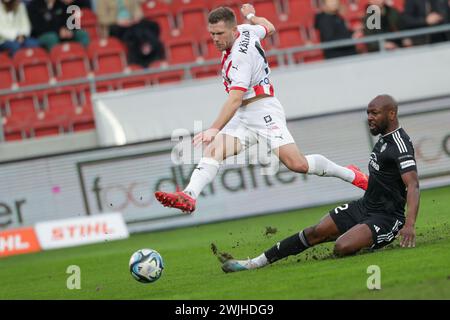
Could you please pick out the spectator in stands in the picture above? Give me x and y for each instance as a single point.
(15, 27)
(49, 21)
(332, 26)
(391, 21)
(124, 19)
(118, 16)
(144, 45)
(423, 13)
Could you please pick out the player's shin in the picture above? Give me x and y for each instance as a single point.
(321, 166)
(204, 173)
(292, 245)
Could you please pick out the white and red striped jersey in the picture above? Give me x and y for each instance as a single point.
(244, 66)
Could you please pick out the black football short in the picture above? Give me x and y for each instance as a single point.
(384, 227)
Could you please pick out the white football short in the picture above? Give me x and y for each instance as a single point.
(262, 120)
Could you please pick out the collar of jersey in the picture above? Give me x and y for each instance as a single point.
(392, 132)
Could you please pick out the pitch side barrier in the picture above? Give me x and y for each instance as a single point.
(123, 178)
(284, 57)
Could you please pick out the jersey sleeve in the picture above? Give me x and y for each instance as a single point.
(240, 72)
(404, 158)
(259, 30)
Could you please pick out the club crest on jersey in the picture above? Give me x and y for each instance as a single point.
(374, 162)
(383, 147)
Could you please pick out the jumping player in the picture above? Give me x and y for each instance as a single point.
(374, 220)
(251, 112)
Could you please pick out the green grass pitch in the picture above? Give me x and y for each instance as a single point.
(193, 272)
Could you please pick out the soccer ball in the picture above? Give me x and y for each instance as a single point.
(146, 265)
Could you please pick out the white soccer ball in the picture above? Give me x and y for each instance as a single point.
(146, 265)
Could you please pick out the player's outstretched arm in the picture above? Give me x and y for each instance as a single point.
(248, 11)
(407, 233)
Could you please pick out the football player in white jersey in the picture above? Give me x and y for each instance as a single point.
(251, 112)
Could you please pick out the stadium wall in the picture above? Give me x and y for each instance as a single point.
(123, 178)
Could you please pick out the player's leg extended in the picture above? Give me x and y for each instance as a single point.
(326, 230)
(222, 147)
(355, 239)
(317, 164)
(219, 149)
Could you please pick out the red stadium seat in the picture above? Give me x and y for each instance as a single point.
(161, 13)
(270, 9)
(300, 11)
(7, 72)
(165, 76)
(33, 66)
(70, 60)
(206, 71)
(182, 51)
(191, 17)
(60, 101)
(47, 124)
(83, 119)
(288, 35)
(89, 23)
(107, 56)
(15, 129)
(134, 81)
(21, 105)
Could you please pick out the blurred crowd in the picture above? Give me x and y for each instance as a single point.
(331, 25)
(33, 23)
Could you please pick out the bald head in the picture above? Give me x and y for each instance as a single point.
(382, 114)
(385, 102)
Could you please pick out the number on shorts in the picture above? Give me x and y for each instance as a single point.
(341, 208)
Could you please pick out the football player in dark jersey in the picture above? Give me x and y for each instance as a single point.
(374, 220)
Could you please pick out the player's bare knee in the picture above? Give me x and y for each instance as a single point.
(297, 166)
(342, 248)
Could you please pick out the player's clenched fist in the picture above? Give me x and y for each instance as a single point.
(205, 136)
(247, 8)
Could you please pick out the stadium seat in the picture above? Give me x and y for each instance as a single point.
(89, 23)
(21, 105)
(191, 17)
(70, 60)
(165, 76)
(270, 9)
(83, 119)
(300, 11)
(60, 101)
(46, 124)
(107, 56)
(182, 50)
(206, 71)
(15, 129)
(134, 81)
(288, 35)
(161, 13)
(7, 72)
(33, 66)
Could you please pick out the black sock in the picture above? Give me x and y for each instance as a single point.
(290, 246)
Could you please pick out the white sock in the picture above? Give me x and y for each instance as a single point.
(257, 262)
(321, 166)
(204, 173)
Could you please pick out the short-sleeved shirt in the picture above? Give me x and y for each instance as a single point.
(392, 156)
(244, 66)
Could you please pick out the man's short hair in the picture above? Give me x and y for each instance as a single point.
(224, 14)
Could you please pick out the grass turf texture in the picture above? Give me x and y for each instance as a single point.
(193, 272)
